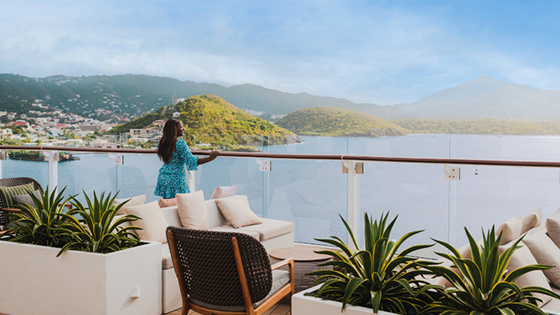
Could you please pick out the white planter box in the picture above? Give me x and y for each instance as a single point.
(34, 281)
(303, 305)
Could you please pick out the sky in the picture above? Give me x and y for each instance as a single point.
(380, 52)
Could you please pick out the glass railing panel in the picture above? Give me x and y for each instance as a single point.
(26, 164)
(417, 193)
(311, 194)
(138, 176)
(488, 195)
(227, 171)
(91, 172)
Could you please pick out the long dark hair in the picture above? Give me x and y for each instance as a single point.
(166, 145)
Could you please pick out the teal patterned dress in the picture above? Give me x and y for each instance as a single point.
(172, 178)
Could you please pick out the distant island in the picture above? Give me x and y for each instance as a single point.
(337, 122)
(37, 156)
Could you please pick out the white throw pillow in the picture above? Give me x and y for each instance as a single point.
(510, 229)
(192, 210)
(531, 220)
(546, 253)
(553, 227)
(152, 222)
(223, 191)
(134, 201)
(523, 257)
(237, 212)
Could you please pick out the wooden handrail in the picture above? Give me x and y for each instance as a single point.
(332, 157)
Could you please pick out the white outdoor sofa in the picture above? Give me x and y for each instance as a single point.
(273, 234)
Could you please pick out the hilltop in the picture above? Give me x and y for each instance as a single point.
(328, 121)
(211, 120)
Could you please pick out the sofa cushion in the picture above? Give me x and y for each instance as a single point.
(153, 222)
(192, 210)
(229, 228)
(134, 201)
(531, 220)
(510, 230)
(223, 191)
(164, 203)
(215, 217)
(546, 253)
(166, 259)
(523, 257)
(237, 212)
(553, 227)
(270, 228)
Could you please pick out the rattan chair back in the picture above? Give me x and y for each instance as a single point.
(208, 269)
(16, 181)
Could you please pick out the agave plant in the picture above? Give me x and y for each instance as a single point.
(43, 224)
(97, 230)
(378, 276)
(483, 284)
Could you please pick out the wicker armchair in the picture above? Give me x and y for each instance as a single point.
(14, 181)
(226, 273)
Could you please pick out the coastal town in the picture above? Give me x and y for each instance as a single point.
(43, 125)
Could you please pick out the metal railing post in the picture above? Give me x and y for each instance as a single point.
(353, 196)
(191, 180)
(53, 157)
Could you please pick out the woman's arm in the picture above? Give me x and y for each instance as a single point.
(210, 158)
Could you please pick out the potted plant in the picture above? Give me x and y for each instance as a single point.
(40, 224)
(376, 278)
(98, 230)
(483, 284)
(57, 263)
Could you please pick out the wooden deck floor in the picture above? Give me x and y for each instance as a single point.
(278, 309)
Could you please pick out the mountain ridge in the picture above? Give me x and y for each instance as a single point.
(128, 96)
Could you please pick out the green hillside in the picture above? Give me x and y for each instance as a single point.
(337, 122)
(212, 120)
(480, 126)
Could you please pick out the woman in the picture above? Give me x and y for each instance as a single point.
(175, 154)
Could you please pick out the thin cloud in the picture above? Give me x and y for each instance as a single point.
(382, 52)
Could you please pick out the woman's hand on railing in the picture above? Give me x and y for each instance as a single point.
(211, 157)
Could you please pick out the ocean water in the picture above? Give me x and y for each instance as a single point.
(313, 194)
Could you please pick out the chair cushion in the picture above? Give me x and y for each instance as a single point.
(523, 257)
(510, 229)
(7, 193)
(279, 279)
(26, 199)
(192, 210)
(531, 220)
(223, 191)
(237, 212)
(229, 228)
(545, 252)
(153, 222)
(134, 201)
(269, 228)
